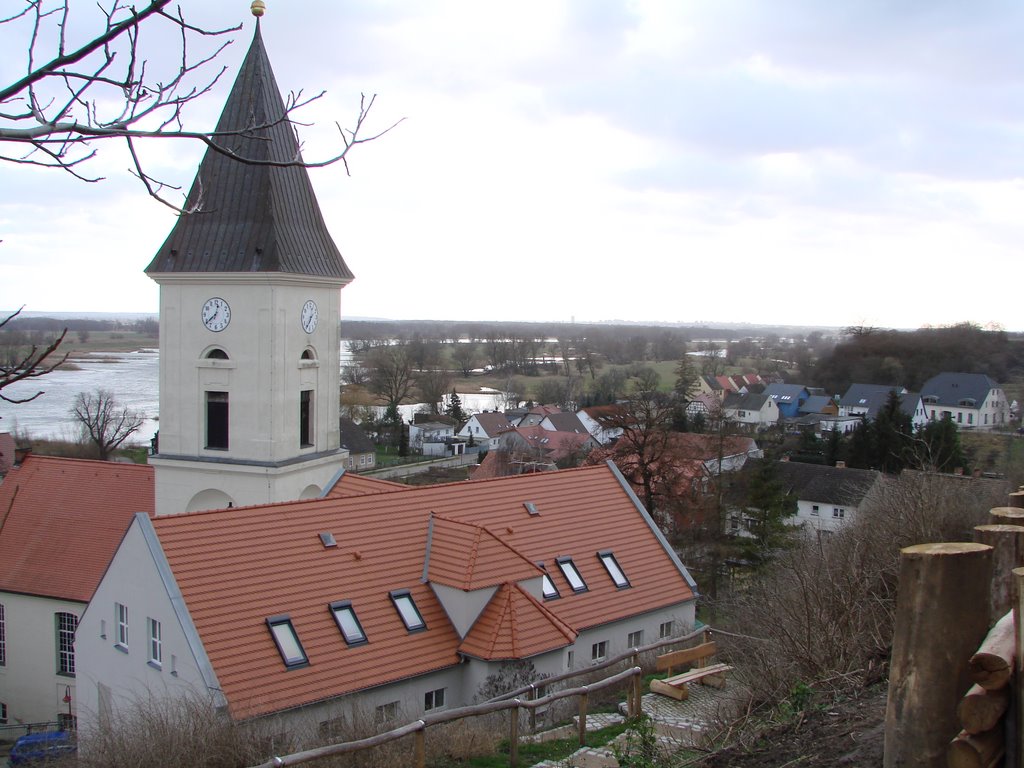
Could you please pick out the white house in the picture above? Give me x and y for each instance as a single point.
(306, 611)
(603, 422)
(61, 521)
(485, 428)
(970, 400)
(755, 411)
(867, 400)
(828, 497)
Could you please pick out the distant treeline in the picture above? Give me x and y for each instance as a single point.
(910, 358)
(53, 326)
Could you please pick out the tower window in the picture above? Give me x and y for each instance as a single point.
(217, 420)
(306, 418)
(216, 354)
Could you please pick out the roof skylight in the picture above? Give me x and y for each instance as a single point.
(348, 622)
(612, 566)
(572, 574)
(287, 641)
(408, 611)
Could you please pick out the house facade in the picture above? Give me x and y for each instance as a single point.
(867, 400)
(828, 497)
(485, 428)
(970, 400)
(62, 521)
(328, 617)
(751, 410)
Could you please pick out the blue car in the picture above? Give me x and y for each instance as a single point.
(40, 747)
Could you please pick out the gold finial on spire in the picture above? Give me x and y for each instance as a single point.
(258, 8)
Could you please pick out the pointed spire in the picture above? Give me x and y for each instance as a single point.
(252, 218)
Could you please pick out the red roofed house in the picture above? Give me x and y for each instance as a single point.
(308, 609)
(485, 428)
(60, 522)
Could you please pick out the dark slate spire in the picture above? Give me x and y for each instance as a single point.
(254, 218)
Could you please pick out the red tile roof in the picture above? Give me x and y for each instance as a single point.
(351, 484)
(515, 625)
(237, 567)
(468, 556)
(61, 521)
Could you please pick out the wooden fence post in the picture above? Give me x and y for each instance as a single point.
(532, 696)
(1017, 499)
(941, 618)
(637, 687)
(513, 735)
(420, 748)
(1016, 727)
(583, 719)
(1007, 542)
(1006, 515)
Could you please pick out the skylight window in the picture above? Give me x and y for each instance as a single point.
(348, 622)
(612, 566)
(572, 574)
(408, 611)
(287, 641)
(548, 588)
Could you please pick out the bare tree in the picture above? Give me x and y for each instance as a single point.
(464, 355)
(391, 374)
(72, 96)
(104, 421)
(36, 361)
(434, 385)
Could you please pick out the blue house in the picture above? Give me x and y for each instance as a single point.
(788, 398)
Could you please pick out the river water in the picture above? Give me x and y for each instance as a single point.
(133, 379)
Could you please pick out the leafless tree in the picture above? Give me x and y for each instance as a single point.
(105, 422)
(36, 361)
(434, 384)
(73, 96)
(391, 373)
(464, 355)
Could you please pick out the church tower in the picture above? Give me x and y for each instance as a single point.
(249, 319)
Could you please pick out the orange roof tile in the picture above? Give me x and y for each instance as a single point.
(61, 521)
(514, 625)
(351, 484)
(468, 556)
(237, 567)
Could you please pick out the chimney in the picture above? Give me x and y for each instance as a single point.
(20, 454)
(840, 465)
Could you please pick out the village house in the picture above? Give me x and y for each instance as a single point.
(603, 422)
(305, 612)
(755, 412)
(867, 400)
(485, 428)
(970, 400)
(540, 444)
(362, 455)
(60, 522)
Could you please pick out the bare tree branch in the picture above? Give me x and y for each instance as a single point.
(31, 365)
(54, 115)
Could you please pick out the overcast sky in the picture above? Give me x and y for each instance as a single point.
(793, 162)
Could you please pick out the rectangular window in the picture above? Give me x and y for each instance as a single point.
(599, 651)
(3, 713)
(960, 418)
(572, 575)
(121, 617)
(815, 510)
(635, 639)
(287, 641)
(612, 566)
(217, 421)
(665, 630)
(156, 650)
(305, 418)
(569, 658)
(3, 638)
(386, 713)
(408, 611)
(970, 418)
(433, 700)
(66, 623)
(348, 622)
(838, 512)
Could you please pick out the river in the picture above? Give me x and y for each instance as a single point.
(133, 379)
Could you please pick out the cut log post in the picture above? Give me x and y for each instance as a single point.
(1017, 727)
(941, 618)
(993, 664)
(1017, 499)
(981, 710)
(1006, 515)
(1007, 542)
(981, 751)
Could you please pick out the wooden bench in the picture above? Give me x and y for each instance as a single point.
(678, 686)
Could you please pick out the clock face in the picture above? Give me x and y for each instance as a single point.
(216, 314)
(309, 316)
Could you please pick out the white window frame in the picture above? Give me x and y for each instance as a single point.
(572, 574)
(66, 624)
(666, 629)
(348, 623)
(434, 700)
(635, 639)
(283, 633)
(386, 713)
(839, 513)
(156, 644)
(548, 588)
(814, 510)
(599, 651)
(121, 619)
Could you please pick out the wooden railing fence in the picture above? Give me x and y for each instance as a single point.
(512, 702)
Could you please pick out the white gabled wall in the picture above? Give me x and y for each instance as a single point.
(134, 579)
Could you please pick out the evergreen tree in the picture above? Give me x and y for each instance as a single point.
(939, 446)
(893, 431)
(454, 407)
(833, 447)
(687, 379)
(861, 451)
(769, 514)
